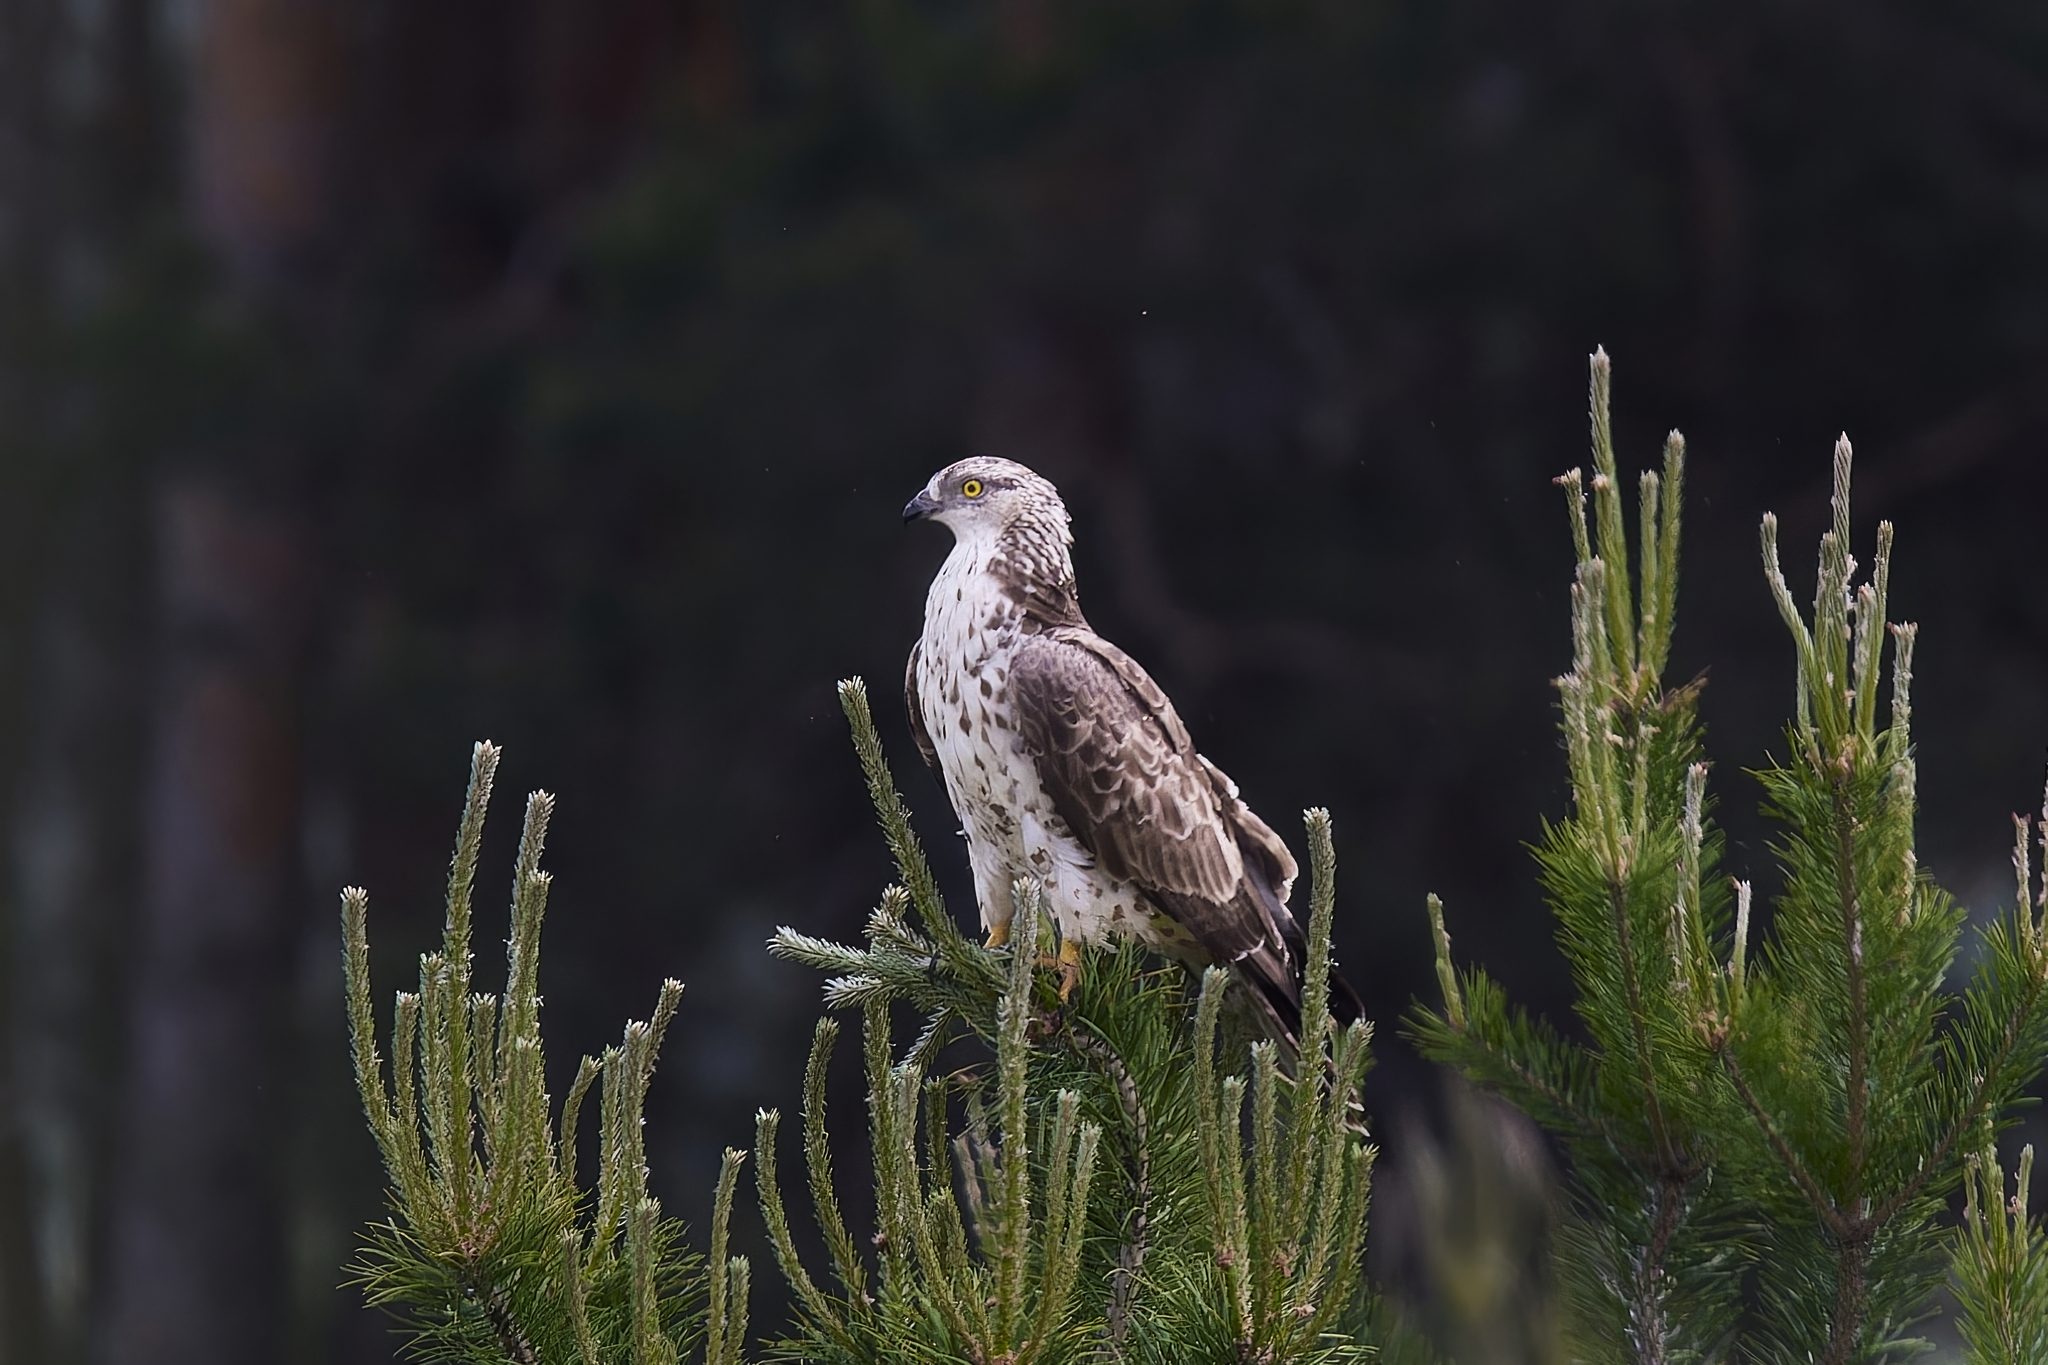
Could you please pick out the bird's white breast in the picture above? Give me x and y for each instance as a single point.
(972, 628)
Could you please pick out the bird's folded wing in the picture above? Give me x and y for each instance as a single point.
(1120, 769)
(915, 707)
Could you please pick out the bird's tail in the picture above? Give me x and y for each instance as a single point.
(1274, 970)
(1275, 983)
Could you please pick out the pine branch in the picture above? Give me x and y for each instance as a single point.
(1639, 1024)
(1823, 1205)
(894, 818)
(1999, 1268)
(492, 1252)
(1130, 1254)
(1909, 1085)
(1515, 1056)
(1019, 1254)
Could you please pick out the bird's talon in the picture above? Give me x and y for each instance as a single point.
(1070, 968)
(998, 935)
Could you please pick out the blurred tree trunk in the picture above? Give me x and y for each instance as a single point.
(195, 1261)
(30, 35)
(75, 837)
(264, 101)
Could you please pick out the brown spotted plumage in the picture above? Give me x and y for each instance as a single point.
(1066, 762)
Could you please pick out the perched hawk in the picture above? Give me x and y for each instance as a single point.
(1066, 762)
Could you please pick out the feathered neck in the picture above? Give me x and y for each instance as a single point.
(1027, 559)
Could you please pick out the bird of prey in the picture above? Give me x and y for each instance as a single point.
(1065, 762)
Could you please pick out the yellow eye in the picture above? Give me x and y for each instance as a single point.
(971, 489)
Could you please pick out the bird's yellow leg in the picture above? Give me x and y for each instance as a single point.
(1070, 967)
(998, 935)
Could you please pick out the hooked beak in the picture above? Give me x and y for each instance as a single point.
(920, 507)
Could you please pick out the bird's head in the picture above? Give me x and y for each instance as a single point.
(983, 496)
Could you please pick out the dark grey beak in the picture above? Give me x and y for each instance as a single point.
(920, 507)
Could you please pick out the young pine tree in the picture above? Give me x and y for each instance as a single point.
(492, 1253)
(1761, 1140)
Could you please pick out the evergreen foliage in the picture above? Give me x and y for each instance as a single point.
(2001, 1267)
(1012, 1296)
(1761, 1141)
(1234, 1229)
(1111, 1187)
(492, 1252)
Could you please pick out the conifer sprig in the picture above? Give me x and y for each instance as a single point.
(1999, 1269)
(1287, 1219)
(1864, 1078)
(492, 1253)
(1655, 1265)
(911, 864)
(914, 952)
(995, 1280)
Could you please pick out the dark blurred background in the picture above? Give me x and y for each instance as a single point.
(380, 375)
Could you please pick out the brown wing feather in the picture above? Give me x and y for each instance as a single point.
(1122, 772)
(918, 733)
(1255, 838)
(1118, 764)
